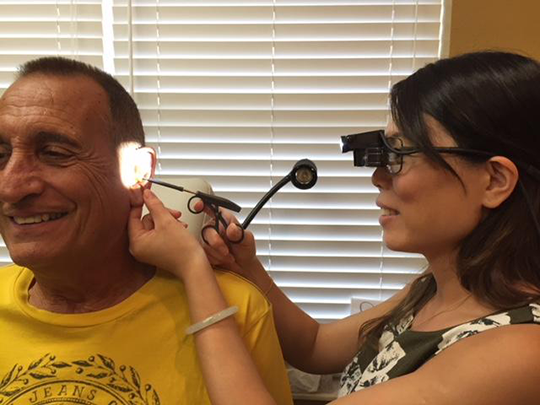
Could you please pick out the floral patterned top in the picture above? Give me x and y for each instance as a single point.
(402, 351)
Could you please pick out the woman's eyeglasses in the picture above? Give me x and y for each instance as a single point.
(395, 152)
(374, 149)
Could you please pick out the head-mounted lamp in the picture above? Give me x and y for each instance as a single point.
(368, 148)
(373, 149)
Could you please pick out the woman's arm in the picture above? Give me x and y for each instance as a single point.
(306, 344)
(319, 348)
(496, 367)
(228, 370)
(230, 374)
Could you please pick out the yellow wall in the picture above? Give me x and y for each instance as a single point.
(512, 25)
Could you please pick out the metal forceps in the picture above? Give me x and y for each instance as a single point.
(209, 200)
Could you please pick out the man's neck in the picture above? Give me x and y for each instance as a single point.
(87, 287)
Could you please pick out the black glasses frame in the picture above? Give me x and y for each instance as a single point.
(376, 154)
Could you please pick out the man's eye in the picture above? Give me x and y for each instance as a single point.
(56, 153)
(4, 154)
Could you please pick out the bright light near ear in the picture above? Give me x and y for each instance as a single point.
(135, 164)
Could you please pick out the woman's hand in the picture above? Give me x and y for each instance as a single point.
(160, 239)
(236, 257)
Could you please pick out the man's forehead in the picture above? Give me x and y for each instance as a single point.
(74, 99)
(49, 90)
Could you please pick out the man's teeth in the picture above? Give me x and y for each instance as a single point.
(388, 211)
(36, 219)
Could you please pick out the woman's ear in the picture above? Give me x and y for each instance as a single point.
(503, 177)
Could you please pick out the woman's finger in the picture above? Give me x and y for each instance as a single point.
(216, 248)
(155, 207)
(198, 206)
(216, 241)
(235, 232)
(148, 222)
(135, 226)
(175, 213)
(226, 214)
(214, 258)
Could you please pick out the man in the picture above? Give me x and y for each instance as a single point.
(80, 319)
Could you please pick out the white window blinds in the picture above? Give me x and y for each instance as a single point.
(29, 29)
(238, 91)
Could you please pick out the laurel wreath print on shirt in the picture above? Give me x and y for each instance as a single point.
(50, 381)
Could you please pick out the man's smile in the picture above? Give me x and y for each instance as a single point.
(38, 218)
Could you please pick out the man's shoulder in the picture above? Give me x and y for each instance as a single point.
(9, 272)
(9, 267)
(9, 275)
(243, 293)
(251, 302)
(233, 283)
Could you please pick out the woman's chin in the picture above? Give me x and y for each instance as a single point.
(399, 244)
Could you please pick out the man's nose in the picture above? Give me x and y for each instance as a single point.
(19, 178)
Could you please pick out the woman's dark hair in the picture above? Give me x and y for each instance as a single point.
(488, 101)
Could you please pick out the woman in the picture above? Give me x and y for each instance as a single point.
(462, 187)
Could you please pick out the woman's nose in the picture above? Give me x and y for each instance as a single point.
(381, 178)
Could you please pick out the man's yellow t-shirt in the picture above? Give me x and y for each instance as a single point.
(134, 353)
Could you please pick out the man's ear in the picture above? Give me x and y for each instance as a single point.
(503, 177)
(151, 164)
(145, 168)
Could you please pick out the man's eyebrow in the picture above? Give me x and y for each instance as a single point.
(44, 137)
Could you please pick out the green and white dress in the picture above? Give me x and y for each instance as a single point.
(402, 351)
